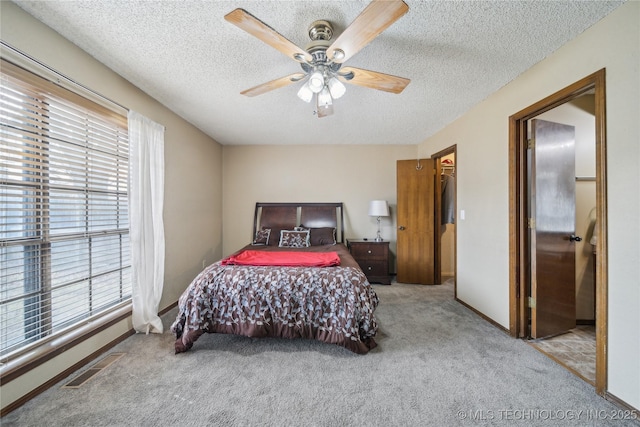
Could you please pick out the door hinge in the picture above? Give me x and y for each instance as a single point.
(531, 223)
(531, 143)
(531, 302)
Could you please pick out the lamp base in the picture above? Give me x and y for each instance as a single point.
(378, 238)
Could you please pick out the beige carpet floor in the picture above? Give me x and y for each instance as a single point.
(437, 364)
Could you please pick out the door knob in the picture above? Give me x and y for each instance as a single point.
(574, 238)
(401, 227)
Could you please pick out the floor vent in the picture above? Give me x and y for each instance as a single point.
(81, 379)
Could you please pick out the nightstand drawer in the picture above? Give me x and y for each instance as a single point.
(373, 268)
(368, 251)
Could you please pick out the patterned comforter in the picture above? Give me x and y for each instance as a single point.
(330, 304)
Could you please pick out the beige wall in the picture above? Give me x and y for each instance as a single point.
(193, 178)
(224, 184)
(351, 174)
(482, 142)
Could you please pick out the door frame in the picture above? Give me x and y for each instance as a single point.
(518, 231)
(438, 212)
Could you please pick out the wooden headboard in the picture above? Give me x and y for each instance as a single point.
(285, 216)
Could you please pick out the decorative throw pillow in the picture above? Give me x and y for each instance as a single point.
(262, 237)
(322, 236)
(294, 239)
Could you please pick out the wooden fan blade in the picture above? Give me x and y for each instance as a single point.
(373, 20)
(374, 80)
(252, 25)
(273, 84)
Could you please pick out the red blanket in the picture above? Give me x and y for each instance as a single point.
(288, 259)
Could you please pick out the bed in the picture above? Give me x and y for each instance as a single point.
(296, 279)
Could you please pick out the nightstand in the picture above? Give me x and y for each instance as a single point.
(373, 258)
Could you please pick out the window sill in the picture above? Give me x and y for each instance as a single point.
(23, 363)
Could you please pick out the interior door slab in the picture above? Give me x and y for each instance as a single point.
(553, 304)
(416, 212)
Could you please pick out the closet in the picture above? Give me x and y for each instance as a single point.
(447, 218)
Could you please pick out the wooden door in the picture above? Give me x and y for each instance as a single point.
(552, 204)
(415, 248)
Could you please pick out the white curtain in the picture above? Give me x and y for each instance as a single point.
(146, 228)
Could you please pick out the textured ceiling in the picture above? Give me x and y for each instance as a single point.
(185, 55)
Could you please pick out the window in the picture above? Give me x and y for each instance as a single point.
(64, 228)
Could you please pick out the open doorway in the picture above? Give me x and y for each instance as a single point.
(445, 216)
(562, 176)
(522, 260)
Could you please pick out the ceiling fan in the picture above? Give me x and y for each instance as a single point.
(322, 59)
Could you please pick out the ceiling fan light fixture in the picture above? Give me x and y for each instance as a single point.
(305, 93)
(316, 81)
(322, 59)
(324, 98)
(336, 88)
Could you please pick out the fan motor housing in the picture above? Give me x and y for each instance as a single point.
(320, 33)
(320, 30)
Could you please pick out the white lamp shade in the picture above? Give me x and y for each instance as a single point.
(305, 93)
(316, 81)
(324, 98)
(378, 208)
(336, 88)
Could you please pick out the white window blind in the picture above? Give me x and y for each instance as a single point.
(64, 229)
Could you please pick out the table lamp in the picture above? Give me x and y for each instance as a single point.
(378, 208)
